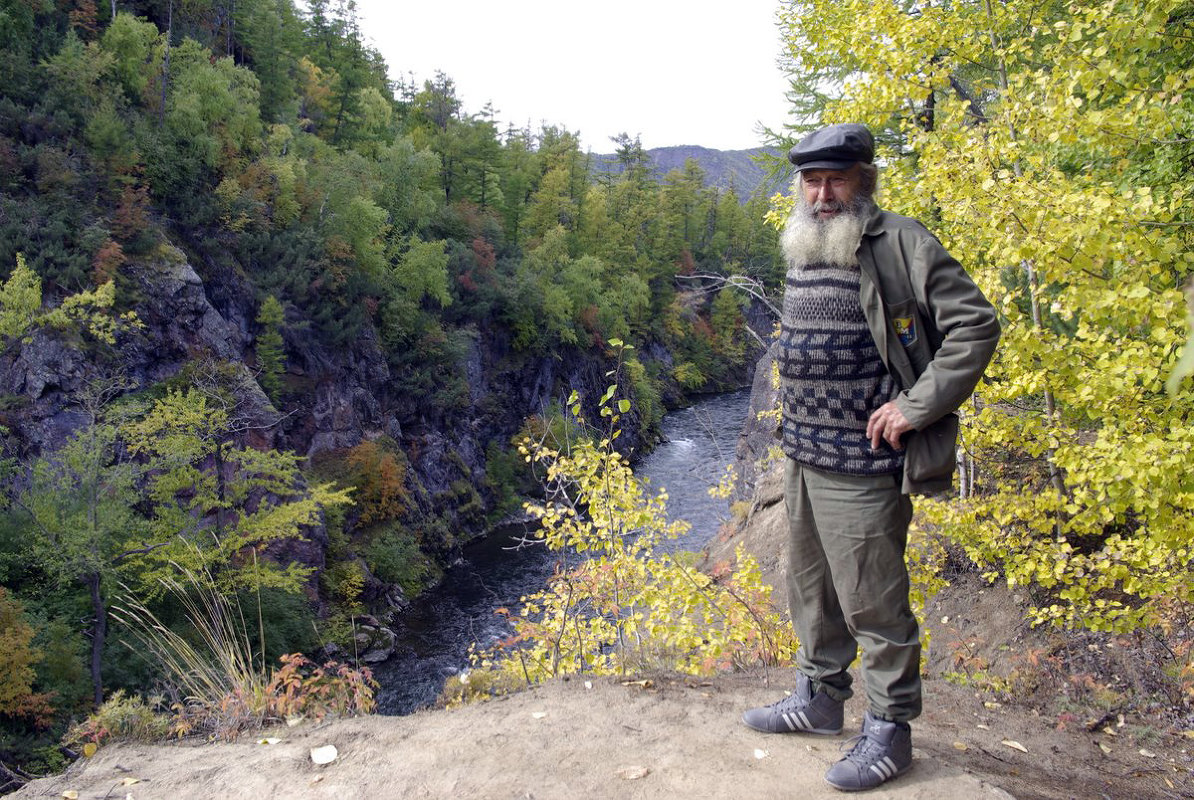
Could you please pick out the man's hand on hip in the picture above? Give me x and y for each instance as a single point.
(887, 423)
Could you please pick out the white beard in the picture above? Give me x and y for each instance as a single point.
(809, 240)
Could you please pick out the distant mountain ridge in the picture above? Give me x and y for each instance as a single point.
(746, 171)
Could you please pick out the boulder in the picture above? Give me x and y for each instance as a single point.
(374, 641)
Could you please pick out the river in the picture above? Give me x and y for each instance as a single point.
(436, 631)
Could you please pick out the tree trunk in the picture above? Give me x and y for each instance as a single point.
(99, 633)
(1055, 475)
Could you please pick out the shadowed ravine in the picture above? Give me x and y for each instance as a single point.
(436, 631)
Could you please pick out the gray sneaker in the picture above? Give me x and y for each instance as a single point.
(803, 711)
(882, 751)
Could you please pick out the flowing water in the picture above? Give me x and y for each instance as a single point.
(436, 631)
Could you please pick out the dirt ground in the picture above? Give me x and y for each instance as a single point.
(668, 737)
(663, 736)
(658, 737)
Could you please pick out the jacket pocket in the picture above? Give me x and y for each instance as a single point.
(931, 453)
(908, 328)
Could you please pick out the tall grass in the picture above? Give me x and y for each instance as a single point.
(218, 683)
(217, 680)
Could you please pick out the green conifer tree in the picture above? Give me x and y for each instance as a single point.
(271, 350)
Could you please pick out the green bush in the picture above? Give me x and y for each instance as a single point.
(287, 619)
(508, 478)
(646, 394)
(394, 557)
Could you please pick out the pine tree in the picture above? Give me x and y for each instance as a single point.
(271, 350)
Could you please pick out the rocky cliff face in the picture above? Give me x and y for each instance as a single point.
(764, 531)
(203, 314)
(36, 382)
(45, 377)
(758, 436)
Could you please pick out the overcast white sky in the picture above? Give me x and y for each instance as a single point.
(675, 72)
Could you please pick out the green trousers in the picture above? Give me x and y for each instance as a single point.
(848, 586)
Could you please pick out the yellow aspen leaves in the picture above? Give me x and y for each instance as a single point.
(1044, 145)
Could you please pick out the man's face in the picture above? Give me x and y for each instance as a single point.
(829, 192)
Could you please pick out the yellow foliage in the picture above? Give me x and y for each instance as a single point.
(1043, 143)
(89, 311)
(631, 604)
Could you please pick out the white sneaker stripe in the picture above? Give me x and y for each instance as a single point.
(885, 767)
(791, 724)
(805, 724)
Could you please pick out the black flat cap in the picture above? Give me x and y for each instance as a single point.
(835, 147)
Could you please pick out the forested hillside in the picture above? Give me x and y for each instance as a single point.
(267, 316)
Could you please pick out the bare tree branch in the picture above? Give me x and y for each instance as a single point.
(741, 282)
(747, 284)
(149, 548)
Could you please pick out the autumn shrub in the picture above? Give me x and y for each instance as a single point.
(464, 498)
(378, 470)
(470, 685)
(301, 688)
(344, 581)
(18, 657)
(689, 375)
(121, 716)
(630, 604)
(394, 556)
(727, 322)
(648, 402)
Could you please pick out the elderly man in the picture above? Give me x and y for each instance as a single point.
(883, 337)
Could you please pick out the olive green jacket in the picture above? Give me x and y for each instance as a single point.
(935, 331)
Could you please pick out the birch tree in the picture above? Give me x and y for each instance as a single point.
(1049, 146)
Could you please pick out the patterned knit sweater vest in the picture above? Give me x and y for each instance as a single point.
(831, 375)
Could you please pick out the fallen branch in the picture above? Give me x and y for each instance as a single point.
(12, 778)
